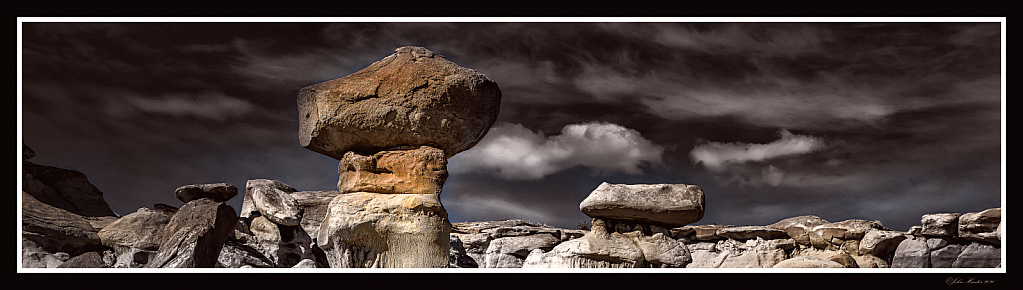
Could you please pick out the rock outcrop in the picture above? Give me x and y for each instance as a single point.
(65, 189)
(501, 244)
(274, 228)
(413, 97)
(952, 240)
(56, 230)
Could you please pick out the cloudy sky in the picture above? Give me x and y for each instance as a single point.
(877, 121)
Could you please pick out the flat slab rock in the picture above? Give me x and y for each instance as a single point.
(412, 97)
(666, 204)
(219, 192)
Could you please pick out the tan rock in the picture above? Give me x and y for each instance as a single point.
(274, 201)
(845, 259)
(798, 227)
(412, 97)
(421, 170)
(880, 243)
(371, 230)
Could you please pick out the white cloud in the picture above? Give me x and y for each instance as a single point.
(512, 152)
(212, 106)
(716, 156)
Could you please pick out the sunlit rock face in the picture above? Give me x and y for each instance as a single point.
(413, 97)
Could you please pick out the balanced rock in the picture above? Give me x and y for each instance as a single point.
(421, 170)
(671, 205)
(413, 97)
(272, 199)
(135, 238)
(981, 226)
(798, 228)
(195, 235)
(370, 230)
(219, 192)
(943, 225)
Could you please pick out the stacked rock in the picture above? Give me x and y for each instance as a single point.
(393, 125)
(270, 231)
(630, 229)
(194, 236)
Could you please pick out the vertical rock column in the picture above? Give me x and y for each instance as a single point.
(393, 125)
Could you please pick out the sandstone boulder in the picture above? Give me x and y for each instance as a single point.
(944, 225)
(369, 230)
(751, 232)
(412, 97)
(274, 202)
(596, 249)
(798, 228)
(808, 262)
(135, 238)
(195, 235)
(660, 251)
(912, 253)
(219, 192)
(845, 259)
(421, 170)
(249, 210)
(672, 205)
(978, 255)
(56, 230)
(880, 243)
(945, 256)
(981, 226)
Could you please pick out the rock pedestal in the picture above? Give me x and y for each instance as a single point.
(372, 230)
(393, 125)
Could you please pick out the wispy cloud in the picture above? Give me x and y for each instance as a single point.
(513, 152)
(717, 156)
(210, 106)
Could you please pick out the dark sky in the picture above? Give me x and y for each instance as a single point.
(877, 121)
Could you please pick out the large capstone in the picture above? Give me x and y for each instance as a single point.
(666, 204)
(413, 97)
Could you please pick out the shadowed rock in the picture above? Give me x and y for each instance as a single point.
(808, 262)
(195, 235)
(413, 97)
(219, 192)
(56, 230)
(751, 232)
(87, 260)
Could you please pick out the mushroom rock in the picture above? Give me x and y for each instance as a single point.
(664, 204)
